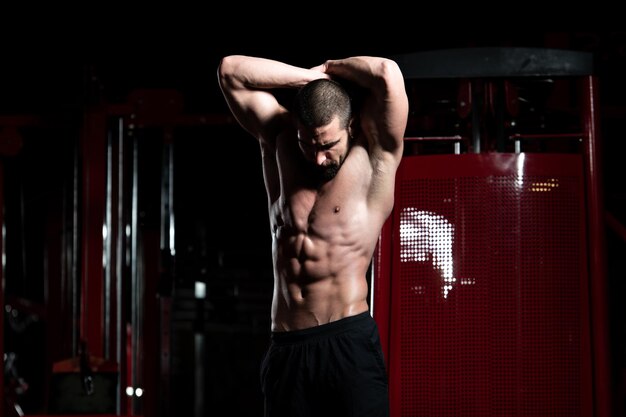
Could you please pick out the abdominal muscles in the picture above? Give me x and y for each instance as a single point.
(318, 279)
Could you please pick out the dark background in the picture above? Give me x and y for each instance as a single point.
(57, 70)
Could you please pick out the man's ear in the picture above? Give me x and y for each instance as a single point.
(352, 127)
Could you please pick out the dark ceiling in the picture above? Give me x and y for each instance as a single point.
(49, 71)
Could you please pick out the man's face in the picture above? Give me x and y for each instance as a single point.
(326, 147)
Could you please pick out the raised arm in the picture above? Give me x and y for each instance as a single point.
(246, 83)
(385, 110)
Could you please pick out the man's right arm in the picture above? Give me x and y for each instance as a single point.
(246, 83)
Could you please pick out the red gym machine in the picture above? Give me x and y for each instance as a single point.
(489, 283)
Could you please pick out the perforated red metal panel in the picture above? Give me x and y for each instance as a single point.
(488, 287)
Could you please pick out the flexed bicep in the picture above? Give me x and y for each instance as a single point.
(255, 111)
(252, 108)
(248, 84)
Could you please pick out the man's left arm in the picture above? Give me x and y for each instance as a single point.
(385, 110)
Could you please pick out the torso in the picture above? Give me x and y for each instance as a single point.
(323, 237)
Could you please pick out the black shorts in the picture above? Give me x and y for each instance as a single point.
(336, 369)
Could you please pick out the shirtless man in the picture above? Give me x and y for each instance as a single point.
(329, 165)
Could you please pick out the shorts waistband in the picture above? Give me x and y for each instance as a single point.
(323, 330)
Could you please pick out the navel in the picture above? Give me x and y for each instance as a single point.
(337, 209)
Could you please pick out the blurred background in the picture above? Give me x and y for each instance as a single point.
(137, 263)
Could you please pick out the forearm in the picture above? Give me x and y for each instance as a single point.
(365, 71)
(261, 73)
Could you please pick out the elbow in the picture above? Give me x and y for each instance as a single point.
(228, 68)
(225, 68)
(387, 79)
(390, 71)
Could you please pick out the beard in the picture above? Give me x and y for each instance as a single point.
(328, 172)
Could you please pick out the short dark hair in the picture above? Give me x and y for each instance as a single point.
(319, 101)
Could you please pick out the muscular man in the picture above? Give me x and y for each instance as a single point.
(329, 164)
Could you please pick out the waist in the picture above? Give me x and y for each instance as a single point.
(323, 330)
